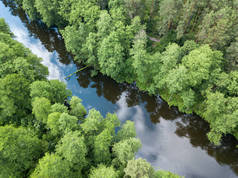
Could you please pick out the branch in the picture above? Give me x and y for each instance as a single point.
(76, 72)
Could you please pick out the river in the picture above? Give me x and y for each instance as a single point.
(170, 140)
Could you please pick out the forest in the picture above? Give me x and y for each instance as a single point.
(184, 51)
(45, 132)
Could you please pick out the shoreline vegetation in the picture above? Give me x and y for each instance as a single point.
(192, 63)
(41, 136)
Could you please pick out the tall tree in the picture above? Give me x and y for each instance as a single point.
(41, 109)
(52, 165)
(4, 28)
(124, 151)
(73, 149)
(48, 10)
(19, 151)
(102, 147)
(217, 28)
(29, 7)
(127, 131)
(53, 90)
(76, 107)
(15, 100)
(107, 172)
(139, 168)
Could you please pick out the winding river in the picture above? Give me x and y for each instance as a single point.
(170, 140)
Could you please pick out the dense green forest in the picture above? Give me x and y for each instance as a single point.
(184, 50)
(47, 133)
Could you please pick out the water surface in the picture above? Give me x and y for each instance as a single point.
(170, 140)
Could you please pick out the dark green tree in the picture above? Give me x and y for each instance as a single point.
(48, 10)
(29, 7)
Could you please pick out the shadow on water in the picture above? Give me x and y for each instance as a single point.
(187, 132)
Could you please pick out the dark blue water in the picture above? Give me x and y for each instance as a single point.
(170, 140)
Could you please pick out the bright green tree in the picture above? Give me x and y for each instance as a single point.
(61, 123)
(76, 107)
(111, 122)
(52, 166)
(139, 168)
(125, 150)
(41, 109)
(53, 123)
(127, 131)
(73, 149)
(15, 99)
(19, 151)
(143, 62)
(221, 113)
(102, 145)
(68, 122)
(165, 174)
(57, 107)
(111, 57)
(92, 124)
(53, 90)
(103, 171)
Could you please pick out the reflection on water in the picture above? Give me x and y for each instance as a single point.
(170, 140)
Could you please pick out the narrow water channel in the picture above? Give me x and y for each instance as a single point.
(170, 140)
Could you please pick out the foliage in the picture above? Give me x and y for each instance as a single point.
(53, 123)
(138, 168)
(101, 147)
(125, 150)
(41, 109)
(52, 165)
(3, 27)
(48, 9)
(57, 107)
(76, 107)
(163, 174)
(221, 112)
(73, 149)
(60, 123)
(15, 99)
(30, 9)
(19, 150)
(107, 172)
(53, 90)
(68, 122)
(143, 62)
(127, 131)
